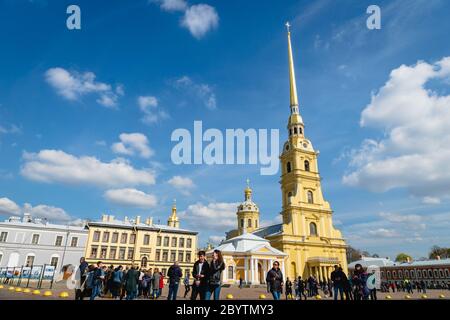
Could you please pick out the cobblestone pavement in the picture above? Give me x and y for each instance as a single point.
(238, 294)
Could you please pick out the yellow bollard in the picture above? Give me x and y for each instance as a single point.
(36, 292)
(262, 296)
(26, 290)
(229, 296)
(47, 293)
(64, 294)
(18, 289)
(424, 296)
(318, 297)
(1, 287)
(11, 288)
(407, 297)
(388, 297)
(441, 296)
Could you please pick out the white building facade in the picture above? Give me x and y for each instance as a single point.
(27, 242)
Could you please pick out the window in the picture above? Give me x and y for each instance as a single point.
(307, 165)
(29, 261)
(54, 261)
(3, 236)
(96, 237)
(173, 255)
(394, 274)
(230, 272)
(146, 240)
(447, 273)
(189, 243)
(430, 274)
(295, 130)
(242, 223)
(163, 271)
(312, 229)
(188, 257)
(174, 242)
(181, 242)
(123, 238)
(300, 130)
(388, 274)
(290, 132)
(103, 253)
(166, 241)
(180, 256)
(115, 237)
(436, 273)
(122, 253)
(165, 256)
(310, 196)
(158, 255)
(132, 238)
(130, 254)
(144, 262)
(58, 241)
(158, 241)
(424, 274)
(112, 253)
(74, 242)
(94, 252)
(441, 273)
(105, 236)
(35, 239)
(288, 167)
(400, 274)
(249, 223)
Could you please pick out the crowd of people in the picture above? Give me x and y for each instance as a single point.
(129, 283)
(132, 282)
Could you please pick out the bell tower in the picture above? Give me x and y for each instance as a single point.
(173, 220)
(247, 213)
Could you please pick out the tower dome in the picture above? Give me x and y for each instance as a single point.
(247, 212)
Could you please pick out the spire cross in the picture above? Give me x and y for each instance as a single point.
(248, 182)
(288, 26)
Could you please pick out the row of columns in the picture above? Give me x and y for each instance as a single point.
(322, 273)
(251, 273)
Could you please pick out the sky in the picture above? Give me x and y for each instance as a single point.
(86, 116)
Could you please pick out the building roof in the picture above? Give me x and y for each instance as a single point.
(29, 223)
(386, 262)
(144, 226)
(248, 243)
(269, 230)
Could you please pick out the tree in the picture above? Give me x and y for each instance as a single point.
(403, 257)
(353, 254)
(436, 251)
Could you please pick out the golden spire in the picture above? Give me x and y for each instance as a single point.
(248, 191)
(293, 85)
(173, 220)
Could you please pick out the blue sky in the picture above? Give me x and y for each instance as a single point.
(86, 115)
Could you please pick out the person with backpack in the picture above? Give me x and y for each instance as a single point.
(174, 273)
(274, 280)
(117, 278)
(97, 278)
(216, 268)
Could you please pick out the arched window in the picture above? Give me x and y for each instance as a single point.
(388, 274)
(441, 273)
(300, 131)
(447, 273)
(310, 197)
(242, 223)
(307, 165)
(312, 229)
(249, 223)
(144, 262)
(290, 132)
(295, 130)
(288, 167)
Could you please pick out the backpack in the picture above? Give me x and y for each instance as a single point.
(90, 280)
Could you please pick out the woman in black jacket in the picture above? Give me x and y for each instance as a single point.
(215, 275)
(275, 281)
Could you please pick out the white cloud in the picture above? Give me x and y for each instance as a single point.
(414, 153)
(131, 144)
(56, 166)
(47, 212)
(183, 184)
(73, 85)
(8, 206)
(12, 129)
(131, 197)
(215, 240)
(407, 221)
(150, 109)
(431, 200)
(171, 5)
(199, 19)
(215, 216)
(384, 233)
(199, 91)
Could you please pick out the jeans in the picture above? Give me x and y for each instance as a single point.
(95, 291)
(276, 295)
(213, 289)
(339, 288)
(173, 289)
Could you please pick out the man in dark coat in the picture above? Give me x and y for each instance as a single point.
(275, 281)
(337, 276)
(131, 282)
(200, 273)
(174, 273)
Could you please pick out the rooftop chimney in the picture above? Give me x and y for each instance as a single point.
(138, 219)
(126, 219)
(110, 218)
(149, 221)
(104, 218)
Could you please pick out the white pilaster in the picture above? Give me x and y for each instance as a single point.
(246, 270)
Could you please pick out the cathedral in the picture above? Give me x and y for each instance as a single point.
(306, 235)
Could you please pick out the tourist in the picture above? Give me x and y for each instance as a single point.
(241, 283)
(117, 278)
(347, 287)
(288, 290)
(98, 276)
(131, 283)
(275, 280)
(146, 284)
(360, 283)
(187, 285)
(337, 277)
(161, 284)
(215, 274)
(80, 276)
(155, 283)
(174, 273)
(301, 288)
(200, 274)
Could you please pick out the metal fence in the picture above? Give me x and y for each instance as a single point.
(35, 276)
